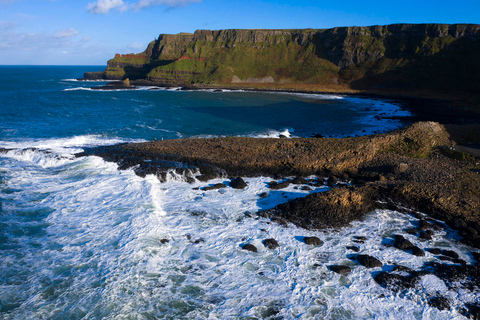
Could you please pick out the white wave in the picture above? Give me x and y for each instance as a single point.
(103, 253)
(78, 89)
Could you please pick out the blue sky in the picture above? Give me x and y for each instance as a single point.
(61, 32)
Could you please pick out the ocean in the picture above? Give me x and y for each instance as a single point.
(80, 239)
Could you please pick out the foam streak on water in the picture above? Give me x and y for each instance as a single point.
(80, 239)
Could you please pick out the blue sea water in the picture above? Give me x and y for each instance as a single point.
(80, 239)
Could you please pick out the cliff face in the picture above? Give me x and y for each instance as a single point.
(433, 57)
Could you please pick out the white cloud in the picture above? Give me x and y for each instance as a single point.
(67, 33)
(104, 6)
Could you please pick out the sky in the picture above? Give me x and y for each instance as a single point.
(77, 32)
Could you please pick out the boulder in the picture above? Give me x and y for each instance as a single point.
(343, 270)
(353, 248)
(238, 183)
(270, 243)
(368, 261)
(299, 180)
(313, 241)
(402, 243)
(214, 187)
(434, 251)
(440, 303)
(274, 185)
(450, 253)
(427, 235)
(263, 195)
(249, 247)
(416, 251)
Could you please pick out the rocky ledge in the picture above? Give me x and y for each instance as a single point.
(412, 169)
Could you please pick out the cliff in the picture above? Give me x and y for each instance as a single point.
(434, 58)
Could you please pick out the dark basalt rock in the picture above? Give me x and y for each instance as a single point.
(299, 180)
(313, 241)
(343, 270)
(214, 187)
(468, 232)
(163, 241)
(427, 235)
(394, 281)
(368, 261)
(270, 243)
(402, 243)
(305, 188)
(332, 180)
(476, 256)
(434, 250)
(249, 247)
(274, 185)
(238, 183)
(361, 238)
(424, 225)
(450, 253)
(263, 195)
(353, 248)
(416, 251)
(412, 231)
(457, 223)
(440, 303)
(473, 311)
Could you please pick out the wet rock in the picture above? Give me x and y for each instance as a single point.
(299, 180)
(460, 261)
(424, 225)
(394, 282)
(473, 311)
(199, 241)
(343, 270)
(270, 243)
(450, 253)
(163, 241)
(313, 241)
(427, 235)
(274, 185)
(305, 188)
(412, 231)
(402, 243)
(280, 221)
(353, 248)
(332, 180)
(434, 250)
(238, 183)
(249, 247)
(263, 195)
(416, 251)
(214, 187)
(368, 261)
(476, 256)
(440, 303)
(361, 238)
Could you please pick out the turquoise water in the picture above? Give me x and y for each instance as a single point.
(80, 239)
(44, 102)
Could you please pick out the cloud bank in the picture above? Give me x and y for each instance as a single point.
(105, 6)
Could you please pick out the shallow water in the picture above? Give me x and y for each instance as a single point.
(80, 239)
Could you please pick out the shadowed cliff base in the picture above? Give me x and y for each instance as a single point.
(412, 168)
